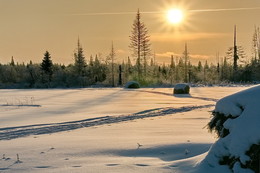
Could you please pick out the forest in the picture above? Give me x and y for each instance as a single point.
(141, 66)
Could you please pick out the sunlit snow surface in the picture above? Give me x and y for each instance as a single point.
(106, 130)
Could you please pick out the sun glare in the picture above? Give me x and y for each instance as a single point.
(175, 16)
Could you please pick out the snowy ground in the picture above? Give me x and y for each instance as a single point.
(105, 130)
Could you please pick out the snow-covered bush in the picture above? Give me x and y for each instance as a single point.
(132, 84)
(181, 89)
(236, 120)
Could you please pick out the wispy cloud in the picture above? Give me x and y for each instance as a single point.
(167, 54)
(185, 36)
(161, 12)
(225, 9)
(121, 51)
(192, 56)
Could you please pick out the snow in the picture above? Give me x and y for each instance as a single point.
(108, 130)
(244, 129)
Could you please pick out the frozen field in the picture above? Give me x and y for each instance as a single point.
(106, 130)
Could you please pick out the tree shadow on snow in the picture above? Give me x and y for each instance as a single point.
(180, 95)
(166, 152)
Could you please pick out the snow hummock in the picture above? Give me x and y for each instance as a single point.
(181, 86)
(244, 129)
(181, 89)
(132, 84)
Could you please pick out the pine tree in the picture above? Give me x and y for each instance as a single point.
(199, 66)
(80, 62)
(206, 68)
(12, 61)
(111, 58)
(140, 43)
(47, 65)
(91, 61)
(186, 57)
(172, 69)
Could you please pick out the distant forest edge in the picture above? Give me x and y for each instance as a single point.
(141, 67)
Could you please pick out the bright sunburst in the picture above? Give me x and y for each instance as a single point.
(175, 16)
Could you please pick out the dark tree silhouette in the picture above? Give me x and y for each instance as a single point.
(12, 61)
(111, 59)
(47, 66)
(235, 55)
(80, 62)
(186, 58)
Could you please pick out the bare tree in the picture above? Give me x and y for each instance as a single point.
(186, 58)
(235, 55)
(256, 43)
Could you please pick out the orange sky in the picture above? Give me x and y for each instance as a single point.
(30, 27)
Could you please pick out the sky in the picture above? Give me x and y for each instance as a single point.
(30, 27)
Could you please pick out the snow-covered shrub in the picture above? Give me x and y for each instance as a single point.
(132, 84)
(217, 124)
(236, 120)
(181, 89)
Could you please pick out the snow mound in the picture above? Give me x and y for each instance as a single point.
(236, 120)
(132, 84)
(181, 89)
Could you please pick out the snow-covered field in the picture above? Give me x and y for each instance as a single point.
(106, 130)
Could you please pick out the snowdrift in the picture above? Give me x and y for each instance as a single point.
(132, 85)
(236, 120)
(182, 88)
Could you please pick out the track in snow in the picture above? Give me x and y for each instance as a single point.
(39, 129)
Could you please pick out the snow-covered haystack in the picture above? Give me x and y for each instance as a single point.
(236, 120)
(181, 89)
(132, 84)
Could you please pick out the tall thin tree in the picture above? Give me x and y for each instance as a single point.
(47, 66)
(111, 58)
(186, 58)
(140, 42)
(235, 56)
(80, 62)
(256, 43)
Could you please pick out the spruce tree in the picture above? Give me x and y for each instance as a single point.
(140, 43)
(199, 66)
(80, 62)
(172, 69)
(47, 66)
(12, 61)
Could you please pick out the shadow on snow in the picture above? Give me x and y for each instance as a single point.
(166, 152)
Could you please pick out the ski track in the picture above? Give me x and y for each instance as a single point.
(9, 133)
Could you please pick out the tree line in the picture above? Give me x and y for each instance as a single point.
(141, 67)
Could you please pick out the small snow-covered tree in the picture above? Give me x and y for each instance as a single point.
(236, 122)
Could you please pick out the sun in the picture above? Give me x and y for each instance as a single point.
(175, 16)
